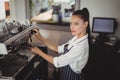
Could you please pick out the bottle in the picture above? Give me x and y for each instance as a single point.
(60, 17)
(55, 17)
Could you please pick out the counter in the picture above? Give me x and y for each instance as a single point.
(57, 27)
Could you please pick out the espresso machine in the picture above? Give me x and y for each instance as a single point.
(19, 63)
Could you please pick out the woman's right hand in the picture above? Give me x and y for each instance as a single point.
(37, 34)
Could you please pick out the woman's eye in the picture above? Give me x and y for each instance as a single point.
(76, 23)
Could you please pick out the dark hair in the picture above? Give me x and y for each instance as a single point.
(84, 15)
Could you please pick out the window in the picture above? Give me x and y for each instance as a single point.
(65, 7)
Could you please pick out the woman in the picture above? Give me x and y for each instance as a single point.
(74, 53)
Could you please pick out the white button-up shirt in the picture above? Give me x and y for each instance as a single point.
(76, 57)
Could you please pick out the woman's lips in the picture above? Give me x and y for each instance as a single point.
(73, 31)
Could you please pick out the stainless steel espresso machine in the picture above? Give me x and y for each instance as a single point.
(20, 63)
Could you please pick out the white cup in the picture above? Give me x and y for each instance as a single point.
(3, 49)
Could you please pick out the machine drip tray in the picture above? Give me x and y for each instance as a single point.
(11, 64)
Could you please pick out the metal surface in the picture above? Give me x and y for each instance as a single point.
(20, 35)
(18, 58)
(12, 64)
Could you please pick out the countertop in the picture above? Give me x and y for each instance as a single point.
(55, 26)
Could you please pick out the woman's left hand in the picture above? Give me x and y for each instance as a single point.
(35, 50)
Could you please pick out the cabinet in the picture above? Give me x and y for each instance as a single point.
(103, 63)
(41, 68)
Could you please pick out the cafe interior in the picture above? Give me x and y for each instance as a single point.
(18, 18)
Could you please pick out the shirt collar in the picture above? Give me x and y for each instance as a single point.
(73, 41)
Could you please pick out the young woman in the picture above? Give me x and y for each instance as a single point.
(74, 53)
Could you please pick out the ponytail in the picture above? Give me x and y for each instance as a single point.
(84, 14)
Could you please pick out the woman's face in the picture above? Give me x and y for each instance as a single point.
(78, 26)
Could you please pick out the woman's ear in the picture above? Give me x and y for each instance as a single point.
(86, 24)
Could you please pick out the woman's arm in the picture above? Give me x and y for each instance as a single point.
(47, 57)
(45, 41)
(49, 44)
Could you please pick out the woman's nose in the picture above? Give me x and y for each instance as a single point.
(72, 27)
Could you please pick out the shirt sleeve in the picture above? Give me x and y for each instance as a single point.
(67, 58)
